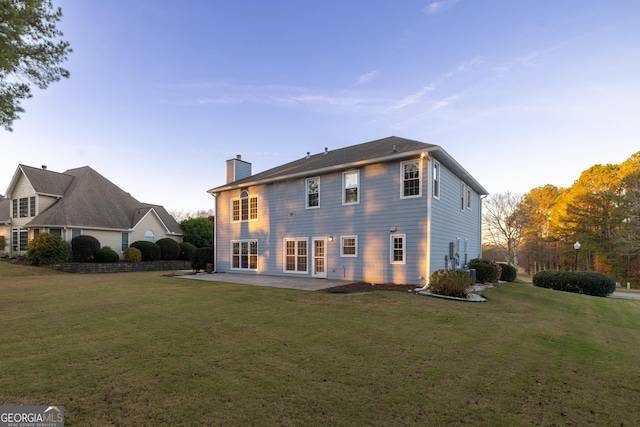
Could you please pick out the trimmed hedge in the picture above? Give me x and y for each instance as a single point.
(150, 251)
(200, 258)
(486, 271)
(186, 250)
(580, 282)
(84, 248)
(169, 249)
(509, 272)
(132, 255)
(106, 254)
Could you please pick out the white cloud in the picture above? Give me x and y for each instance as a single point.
(367, 78)
(466, 65)
(436, 6)
(413, 98)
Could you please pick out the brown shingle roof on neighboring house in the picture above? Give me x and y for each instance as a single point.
(92, 201)
(47, 182)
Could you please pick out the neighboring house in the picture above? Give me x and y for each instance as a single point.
(387, 211)
(78, 202)
(5, 221)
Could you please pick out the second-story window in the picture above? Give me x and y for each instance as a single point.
(411, 179)
(244, 208)
(350, 185)
(313, 192)
(436, 179)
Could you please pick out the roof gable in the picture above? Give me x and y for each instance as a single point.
(41, 180)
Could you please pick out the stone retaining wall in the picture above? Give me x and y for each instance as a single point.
(120, 267)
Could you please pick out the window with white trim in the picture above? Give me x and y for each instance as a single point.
(148, 236)
(350, 187)
(244, 254)
(348, 246)
(313, 193)
(436, 179)
(295, 255)
(20, 239)
(124, 241)
(468, 197)
(398, 249)
(411, 179)
(244, 208)
(463, 193)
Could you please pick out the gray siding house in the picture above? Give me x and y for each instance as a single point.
(392, 210)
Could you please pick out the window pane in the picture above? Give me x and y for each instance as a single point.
(411, 179)
(236, 210)
(244, 213)
(32, 206)
(24, 207)
(351, 187)
(313, 192)
(253, 214)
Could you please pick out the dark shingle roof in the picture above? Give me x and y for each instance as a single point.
(368, 152)
(47, 182)
(92, 201)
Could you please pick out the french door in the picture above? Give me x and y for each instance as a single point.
(319, 257)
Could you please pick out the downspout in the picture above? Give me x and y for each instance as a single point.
(480, 220)
(215, 232)
(427, 159)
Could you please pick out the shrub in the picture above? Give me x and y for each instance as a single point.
(581, 282)
(509, 272)
(169, 249)
(106, 254)
(132, 255)
(451, 283)
(200, 258)
(186, 250)
(150, 251)
(486, 271)
(84, 248)
(47, 248)
(197, 231)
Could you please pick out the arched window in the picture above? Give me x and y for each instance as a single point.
(244, 208)
(148, 236)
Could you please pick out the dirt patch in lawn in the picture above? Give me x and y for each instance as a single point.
(358, 287)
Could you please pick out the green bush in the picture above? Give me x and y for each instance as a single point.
(47, 248)
(84, 248)
(486, 271)
(150, 251)
(197, 231)
(169, 249)
(451, 283)
(200, 258)
(132, 255)
(106, 254)
(509, 272)
(186, 250)
(581, 282)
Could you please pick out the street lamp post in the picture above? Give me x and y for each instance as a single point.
(576, 246)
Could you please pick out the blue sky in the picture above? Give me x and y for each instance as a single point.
(521, 93)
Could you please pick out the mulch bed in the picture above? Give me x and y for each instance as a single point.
(359, 287)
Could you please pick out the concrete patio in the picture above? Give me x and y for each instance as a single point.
(301, 283)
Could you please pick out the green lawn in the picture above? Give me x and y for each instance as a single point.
(141, 349)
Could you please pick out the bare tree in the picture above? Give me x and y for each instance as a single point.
(503, 222)
(181, 215)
